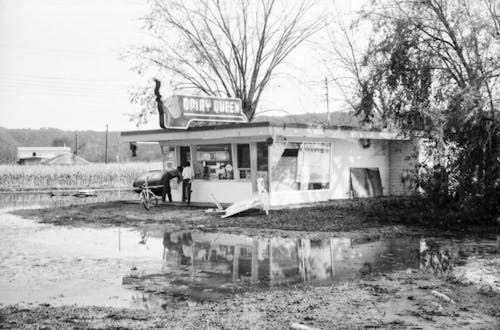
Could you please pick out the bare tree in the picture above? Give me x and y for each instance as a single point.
(222, 47)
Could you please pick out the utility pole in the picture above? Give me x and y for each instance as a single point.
(106, 152)
(327, 101)
(76, 143)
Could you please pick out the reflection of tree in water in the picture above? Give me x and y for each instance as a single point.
(434, 258)
(146, 301)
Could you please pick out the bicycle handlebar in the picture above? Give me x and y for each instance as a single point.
(142, 186)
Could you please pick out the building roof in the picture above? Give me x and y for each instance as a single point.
(68, 149)
(338, 118)
(259, 130)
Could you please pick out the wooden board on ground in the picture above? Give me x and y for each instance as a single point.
(216, 202)
(214, 211)
(242, 206)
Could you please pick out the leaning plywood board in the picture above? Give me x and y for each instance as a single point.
(216, 202)
(242, 206)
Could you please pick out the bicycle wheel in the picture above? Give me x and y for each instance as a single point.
(154, 200)
(146, 199)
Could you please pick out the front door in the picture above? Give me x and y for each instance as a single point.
(185, 155)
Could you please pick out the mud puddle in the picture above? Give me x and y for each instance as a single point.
(120, 267)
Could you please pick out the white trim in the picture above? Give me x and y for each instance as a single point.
(210, 115)
(173, 137)
(206, 120)
(299, 134)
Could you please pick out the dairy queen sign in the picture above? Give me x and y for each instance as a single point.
(179, 111)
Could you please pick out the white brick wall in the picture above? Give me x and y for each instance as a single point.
(349, 153)
(403, 156)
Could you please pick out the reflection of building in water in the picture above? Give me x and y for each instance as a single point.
(278, 260)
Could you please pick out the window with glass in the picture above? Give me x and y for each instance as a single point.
(300, 166)
(168, 157)
(313, 166)
(214, 162)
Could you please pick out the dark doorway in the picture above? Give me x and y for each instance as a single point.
(185, 155)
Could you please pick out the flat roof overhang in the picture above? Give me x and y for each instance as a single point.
(257, 131)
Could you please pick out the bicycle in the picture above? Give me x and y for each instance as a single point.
(148, 198)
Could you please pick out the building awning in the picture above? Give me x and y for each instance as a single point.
(257, 131)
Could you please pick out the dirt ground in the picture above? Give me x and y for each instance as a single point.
(328, 220)
(402, 300)
(410, 299)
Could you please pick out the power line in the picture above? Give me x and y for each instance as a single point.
(327, 101)
(71, 88)
(62, 88)
(57, 78)
(63, 83)
(24, 91)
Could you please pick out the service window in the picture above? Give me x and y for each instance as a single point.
(168, 157)
(300, 166)
(313, 166)
(243, 151)
(213, 162)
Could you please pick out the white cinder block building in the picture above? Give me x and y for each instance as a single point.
(299, 163)
(36, 155)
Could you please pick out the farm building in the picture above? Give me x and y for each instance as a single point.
(37, 155)
(299, 163)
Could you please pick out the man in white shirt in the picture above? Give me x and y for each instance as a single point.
(187, 176)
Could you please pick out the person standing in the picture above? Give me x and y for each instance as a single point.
(187, 177)
(165, 182)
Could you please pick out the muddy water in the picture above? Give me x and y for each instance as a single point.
(43, 263)
(124, 267)
(59, 198)
(121, 267)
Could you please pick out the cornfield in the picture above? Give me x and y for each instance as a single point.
(41, 177)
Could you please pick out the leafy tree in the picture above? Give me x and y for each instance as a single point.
(61, 142)
(433, 66)
(221, 47)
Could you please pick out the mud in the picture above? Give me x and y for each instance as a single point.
(323, 221)
(401, 300)
(454, 283)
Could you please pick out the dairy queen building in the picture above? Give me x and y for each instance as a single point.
(299, 163)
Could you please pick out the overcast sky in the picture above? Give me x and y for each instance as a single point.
(60, 65)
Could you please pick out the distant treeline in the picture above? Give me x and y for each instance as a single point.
(91, 144)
